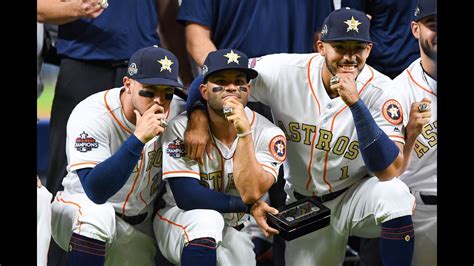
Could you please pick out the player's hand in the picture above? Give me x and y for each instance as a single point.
(196, 137)
(238, 118)
(149, 125)
(38, 182)
(87, 8)
(346, 88)
(259, 212)
(420, 115)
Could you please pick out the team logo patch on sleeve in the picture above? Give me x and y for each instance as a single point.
(175, 149)
(85, 143)
(392, 111)
(278, 148)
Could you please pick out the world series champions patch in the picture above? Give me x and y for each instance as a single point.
(175, 149)
(85, 143)
(278, 148)
(392, 111)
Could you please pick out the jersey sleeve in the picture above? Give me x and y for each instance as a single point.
(196, 11)
(264, 82)
(387, 111)
(399, 91)
(271, 149)
(87, 140)
(175, 162)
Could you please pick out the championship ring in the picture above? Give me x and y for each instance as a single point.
(163, 123)
(227, 110)
(104, 4)
(334, 79)
(423, 107)
(300, 218)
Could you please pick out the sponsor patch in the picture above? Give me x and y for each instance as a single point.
(175, 149)
(392, 111)
(85, 143)
(278, 148)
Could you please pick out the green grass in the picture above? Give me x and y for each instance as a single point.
(44, 102)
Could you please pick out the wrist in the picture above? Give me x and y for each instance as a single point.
(246, 133)
(140, 138)
(249, 208)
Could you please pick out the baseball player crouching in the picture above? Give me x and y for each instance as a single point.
(114, 166)
(343, 128)
(208, 203)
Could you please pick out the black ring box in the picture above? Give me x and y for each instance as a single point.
(300, 218)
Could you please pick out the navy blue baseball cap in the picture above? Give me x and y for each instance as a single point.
(225, 59)
(154, 65)
(346, 24)
(425, 8)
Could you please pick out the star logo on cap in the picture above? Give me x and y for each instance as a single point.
(352, 24)
(233, 57)
(165, 64)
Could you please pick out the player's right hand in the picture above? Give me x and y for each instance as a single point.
(418, 118)
(259, 212)
(148, 125)
(346, 88)
(238, 118)
(87, 8)
(196, 137)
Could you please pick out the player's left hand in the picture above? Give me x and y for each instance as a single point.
(259, 212)
(420, 115)
(346, 88)
(238, 117)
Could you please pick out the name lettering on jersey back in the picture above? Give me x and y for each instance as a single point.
(429, 133)
(305, 133)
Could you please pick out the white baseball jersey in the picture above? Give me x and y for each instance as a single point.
(323, 148)
(217, 174)
(411, 86)
(96, 129)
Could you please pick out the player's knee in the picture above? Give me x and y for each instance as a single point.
(391, 190)
(393, 197)
(98, 223)
(207, 223)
